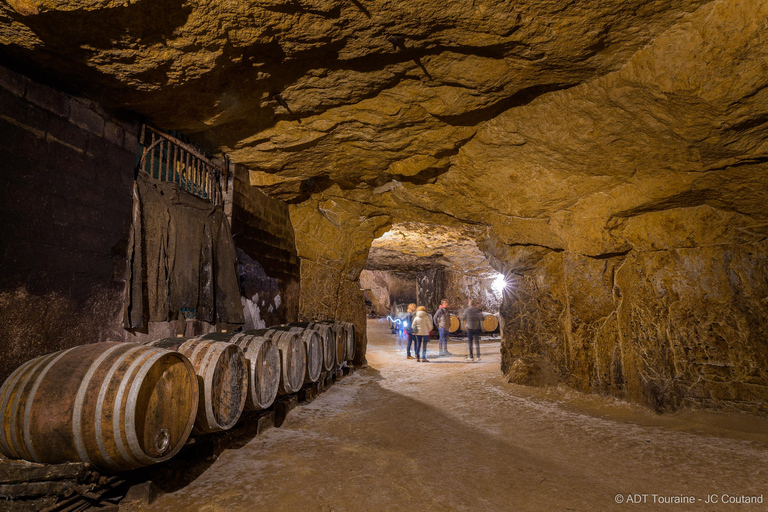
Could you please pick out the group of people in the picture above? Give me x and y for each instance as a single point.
(418, 324)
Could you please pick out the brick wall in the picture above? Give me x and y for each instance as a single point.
(66, 174)
(262, 229)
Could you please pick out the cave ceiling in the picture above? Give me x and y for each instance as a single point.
(413, 247)
(542, 122)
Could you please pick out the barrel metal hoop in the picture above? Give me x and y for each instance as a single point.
(238, 336)
(100, 405)
(130, 410)
(210, 369)
(5, 392)
(31, 399)
(77, 410)
(276, 356)
(16, 443)
(116, 416)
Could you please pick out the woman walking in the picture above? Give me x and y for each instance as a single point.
(422, 324)
(408, 329)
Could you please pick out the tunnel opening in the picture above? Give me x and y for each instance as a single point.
(438, 267)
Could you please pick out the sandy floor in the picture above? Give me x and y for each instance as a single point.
(451, 435)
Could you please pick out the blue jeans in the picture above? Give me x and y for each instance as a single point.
(473, 333)
(442, 344)
(421, 344)
(411, 339)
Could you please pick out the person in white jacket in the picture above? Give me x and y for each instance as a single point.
(422, 324)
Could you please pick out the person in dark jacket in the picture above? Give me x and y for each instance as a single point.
(473, 319)
(408, 328)
(442, 320)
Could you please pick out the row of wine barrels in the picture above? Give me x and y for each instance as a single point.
(263, 360)
(115, 405)
(489, 323)
(222, 378)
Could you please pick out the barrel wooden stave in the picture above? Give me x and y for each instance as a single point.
(116, 405)
(264, 376)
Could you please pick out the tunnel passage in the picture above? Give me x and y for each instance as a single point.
(426, 263)
(609, 161)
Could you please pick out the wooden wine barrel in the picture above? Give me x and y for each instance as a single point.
(293, 358)
(328, 337)
(341, 346)
(349, 340)
(455, 323)
(264, 366)
(223, 380)
(490, 322)
(314, 349)
(264, 376)
(115, 405)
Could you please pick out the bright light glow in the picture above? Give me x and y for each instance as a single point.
(499, 283)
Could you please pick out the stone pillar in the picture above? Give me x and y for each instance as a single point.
(332, 240)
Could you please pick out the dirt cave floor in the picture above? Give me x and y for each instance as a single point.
(453, 435)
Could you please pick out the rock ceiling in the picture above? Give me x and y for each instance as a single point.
(411, 246)
(543, 122)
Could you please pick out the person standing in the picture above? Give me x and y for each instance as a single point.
(422, 324)
(408, 329)
(442, 320)
(473, 319)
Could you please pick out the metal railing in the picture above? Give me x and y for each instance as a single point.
(167, 158)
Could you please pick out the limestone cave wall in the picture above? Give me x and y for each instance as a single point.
(268, 265)
(460, 287)
(66, 178)
(332, 240)
(678, 320)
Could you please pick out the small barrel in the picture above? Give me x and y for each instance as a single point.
(349, 340)
(455, 324)
(314, 349)
(490, 322)
(223, 380)
(115, 405)
(293, 358)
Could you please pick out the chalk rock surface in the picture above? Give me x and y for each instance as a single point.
(608, 156)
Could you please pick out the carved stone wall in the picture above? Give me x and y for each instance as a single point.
(680, 320)
(66, 176)
(269, 266)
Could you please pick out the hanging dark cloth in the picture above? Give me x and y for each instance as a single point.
(181, 256)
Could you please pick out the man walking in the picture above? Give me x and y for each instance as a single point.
(442, 320)
(473, 319)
